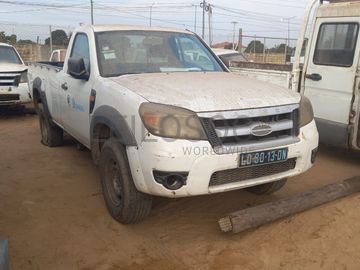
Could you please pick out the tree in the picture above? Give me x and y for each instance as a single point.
(59, 37)
(7, 39)
(281, 49)
(255, 46)
(230, 46)
(25, 41)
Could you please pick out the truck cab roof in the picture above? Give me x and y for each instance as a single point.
(5, 44)
(339, 9)
(119, 27)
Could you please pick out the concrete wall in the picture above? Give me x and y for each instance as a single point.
(272, 58)
(35, 52)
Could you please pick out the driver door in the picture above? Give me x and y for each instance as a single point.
(76, 93)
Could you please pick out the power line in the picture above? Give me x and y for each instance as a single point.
(242, 16)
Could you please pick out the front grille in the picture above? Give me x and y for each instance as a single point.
(236, 128)
(9, 79)
(9, 97)
(247, 173)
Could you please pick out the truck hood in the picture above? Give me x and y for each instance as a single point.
(204, 92)
(8, 67)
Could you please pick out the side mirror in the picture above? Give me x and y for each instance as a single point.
(76, 68)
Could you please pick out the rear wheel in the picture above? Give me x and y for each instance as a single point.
(51, 135)
(267, 188)
(124, 202)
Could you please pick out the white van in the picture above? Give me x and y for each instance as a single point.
(328, 74)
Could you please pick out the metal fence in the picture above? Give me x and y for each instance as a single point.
(264, 49)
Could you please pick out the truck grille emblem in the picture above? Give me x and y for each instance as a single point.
(261, 130)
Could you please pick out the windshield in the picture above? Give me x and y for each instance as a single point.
(9, 55)
(134, 52)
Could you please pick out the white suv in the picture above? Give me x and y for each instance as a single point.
(14, 89)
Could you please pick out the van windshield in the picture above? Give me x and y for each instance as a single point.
(9, 55)
(134, 52)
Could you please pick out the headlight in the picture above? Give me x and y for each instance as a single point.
(24, 78)
(306, 111)
(171, 122)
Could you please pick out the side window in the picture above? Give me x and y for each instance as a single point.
(80, 49)
(336, 44)
(194, 55)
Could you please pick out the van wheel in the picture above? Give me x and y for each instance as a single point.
(51, 135)
(124, 202)
(267, 188)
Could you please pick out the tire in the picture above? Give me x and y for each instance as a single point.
(51, 135)
(124, 202)
(29, 110)
(267, 188)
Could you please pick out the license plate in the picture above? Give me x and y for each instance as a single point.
(263, 157)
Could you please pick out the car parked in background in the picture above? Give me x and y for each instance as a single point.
(228, 56)
(58, 55)
(14, 89)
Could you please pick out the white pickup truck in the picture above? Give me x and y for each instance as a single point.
(58, 55)
(160, 121)
(330, 74)
(14, 89)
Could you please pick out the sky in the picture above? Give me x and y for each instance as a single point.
(31, 18)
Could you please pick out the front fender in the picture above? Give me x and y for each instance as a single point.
(110, 117)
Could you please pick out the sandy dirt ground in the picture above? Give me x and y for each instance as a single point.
(52, 212)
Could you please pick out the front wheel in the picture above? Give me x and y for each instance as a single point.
(267, 188)
(124, 202)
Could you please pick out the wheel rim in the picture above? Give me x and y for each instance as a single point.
(43, 129)
(113, 181)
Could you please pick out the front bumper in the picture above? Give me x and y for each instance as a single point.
(198, 159)
(20, 95)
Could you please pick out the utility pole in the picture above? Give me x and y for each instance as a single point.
(206, 8)
(203, 5)
(288, 36)
(51, 40)
(210, 25)
(233, 43)
(195, 24)
(92, 11)
(151, 7)
(240, 40)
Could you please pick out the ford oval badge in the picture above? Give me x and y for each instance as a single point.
(261, 130)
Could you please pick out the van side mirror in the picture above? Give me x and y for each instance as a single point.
(77, 69)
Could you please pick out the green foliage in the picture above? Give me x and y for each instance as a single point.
(281, 49)
(255, 46)
(7, 39)
(25, 41)
(59, 37)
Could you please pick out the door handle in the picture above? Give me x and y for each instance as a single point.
(315, 77)
(64, 86)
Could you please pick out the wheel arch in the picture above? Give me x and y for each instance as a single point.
(107, 122)
(39, 96)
